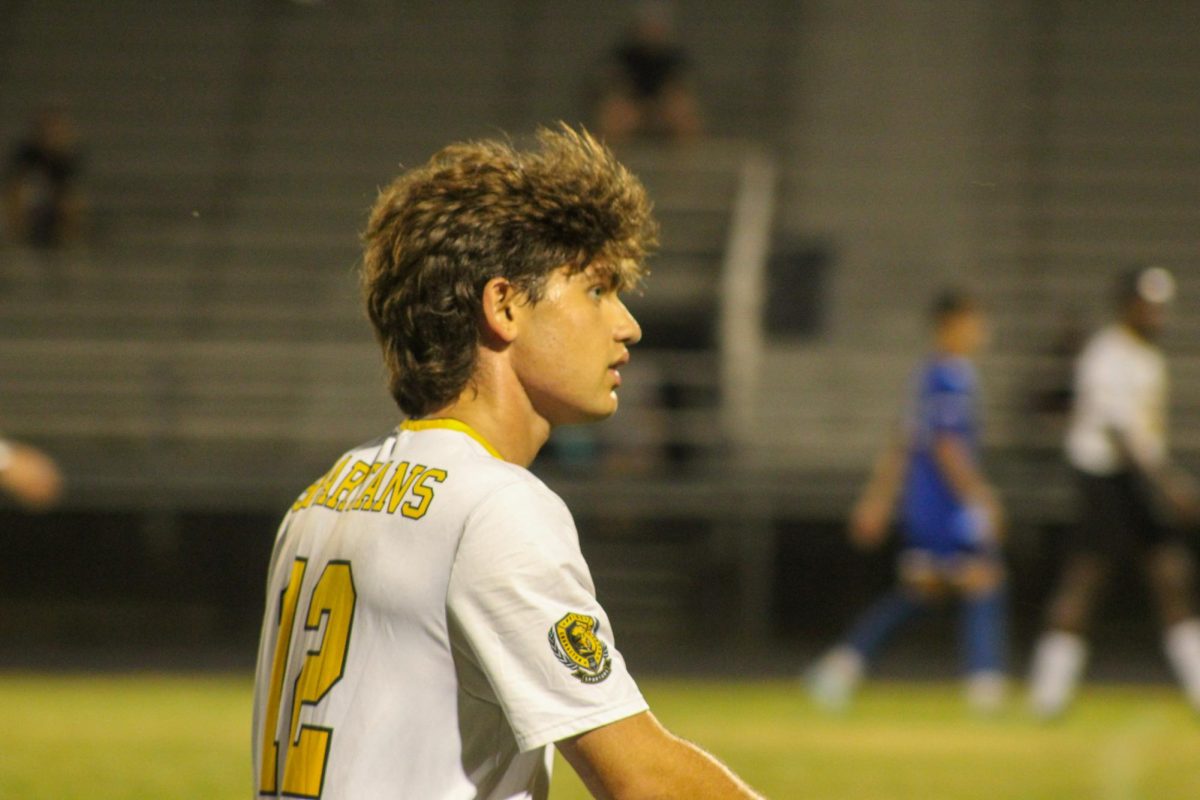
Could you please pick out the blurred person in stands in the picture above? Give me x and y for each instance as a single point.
(42, 204)
(646, 90)
(1135, 505)
(29, 475)
(431, 627)
(951, 520)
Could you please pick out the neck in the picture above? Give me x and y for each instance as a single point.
(1129, 327)
(499, 411)
(949, 349)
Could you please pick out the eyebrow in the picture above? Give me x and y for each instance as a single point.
(615, 278)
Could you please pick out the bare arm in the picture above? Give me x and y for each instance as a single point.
(1171, 482)
(873, 511)
(960, 471)
(638, 758)
(29, 475)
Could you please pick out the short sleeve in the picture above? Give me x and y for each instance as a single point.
(1105, 387)
(1125, 393)
(521, 596)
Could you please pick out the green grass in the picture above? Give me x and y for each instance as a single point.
(917, 741)
(144, 737)
(129, 738)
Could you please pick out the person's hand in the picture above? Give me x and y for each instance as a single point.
(869, 523)
(31, 477)
(1183, 496)
(993, 512)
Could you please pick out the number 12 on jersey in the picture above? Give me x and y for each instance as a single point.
(306, 750)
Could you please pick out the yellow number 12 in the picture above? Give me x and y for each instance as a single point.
(307, 746)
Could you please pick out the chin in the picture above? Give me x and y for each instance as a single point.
(583, 415)
(594, 415)
(577, 411)
(610, 407)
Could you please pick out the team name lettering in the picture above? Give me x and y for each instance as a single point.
(376, 487)
(337, 499)
(316, 492)
(424, 492)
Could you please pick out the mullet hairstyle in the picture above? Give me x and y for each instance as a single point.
(483, 210)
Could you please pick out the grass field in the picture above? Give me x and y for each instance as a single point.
(149, 737)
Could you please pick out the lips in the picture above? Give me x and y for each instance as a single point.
(615, 367)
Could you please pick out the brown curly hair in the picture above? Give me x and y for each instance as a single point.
(481, 210)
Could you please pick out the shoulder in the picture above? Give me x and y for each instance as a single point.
(950, 375)
(403, 467)
(484, 491)
(517, 532)
(518, 502)
(1112, 347)
(468, 462)
(517, 520)
(1104, 340)
(493, 482)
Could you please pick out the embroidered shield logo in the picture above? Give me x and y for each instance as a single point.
(576, 644)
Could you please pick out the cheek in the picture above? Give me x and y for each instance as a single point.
(548, 357)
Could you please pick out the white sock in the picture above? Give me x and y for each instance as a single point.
(1058, 662)
(835, 677)
(985, 691)
(1182, 643)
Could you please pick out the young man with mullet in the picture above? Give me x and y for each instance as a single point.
(431, 626)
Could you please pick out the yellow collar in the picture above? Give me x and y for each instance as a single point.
(449, 424)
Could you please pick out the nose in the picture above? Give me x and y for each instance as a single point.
(628, 330)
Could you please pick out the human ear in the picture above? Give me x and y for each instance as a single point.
(499, 299)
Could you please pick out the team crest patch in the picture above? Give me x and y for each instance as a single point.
(575, 643)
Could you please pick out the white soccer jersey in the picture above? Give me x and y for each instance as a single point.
(431, 627)
(1120, 385)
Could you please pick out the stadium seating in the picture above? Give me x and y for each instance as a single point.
(209, 321)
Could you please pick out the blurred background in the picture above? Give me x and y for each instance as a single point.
(188, 345)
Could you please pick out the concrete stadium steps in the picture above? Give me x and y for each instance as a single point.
(337, 211)
(832, 409)
(162, 301)
(684, 284)
(1081, 164)
(650, 588)
(249, 141)
(735, 53)
(152, 94)
(382, 75)
(120, 472)
(96, 385)
(237, 391)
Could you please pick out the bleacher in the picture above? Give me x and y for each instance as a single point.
(229, 170)
(1070, 156)
(204, 348)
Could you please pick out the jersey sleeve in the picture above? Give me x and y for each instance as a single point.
(521, 596)
(1104, 388)
(950, 402)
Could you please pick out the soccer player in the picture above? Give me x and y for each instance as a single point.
(951, 520)
(1133, 500)
(431, 627)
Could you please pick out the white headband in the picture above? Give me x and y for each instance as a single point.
(1156, 285)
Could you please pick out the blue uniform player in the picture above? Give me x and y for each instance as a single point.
(951, 520)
